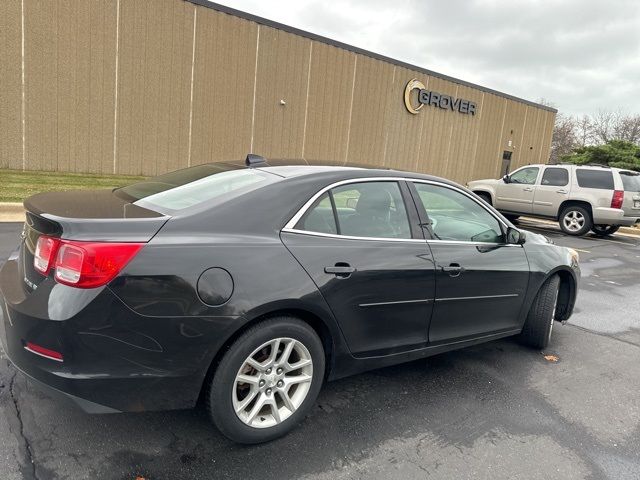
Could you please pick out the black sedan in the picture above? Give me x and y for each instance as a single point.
(251, 285)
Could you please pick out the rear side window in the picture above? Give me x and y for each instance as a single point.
(319, 218)
(631, 181)
(367, 209)
(601, 179)
(555, 177)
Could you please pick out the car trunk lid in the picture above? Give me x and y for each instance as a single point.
(98, 216)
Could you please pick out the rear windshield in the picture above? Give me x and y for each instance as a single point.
(631, 181)
(595, 178)
(192, 186)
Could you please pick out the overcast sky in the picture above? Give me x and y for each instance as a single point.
(580, 55)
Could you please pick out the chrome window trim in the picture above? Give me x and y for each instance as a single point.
(479, 297)
(349, 237)
(290, 225)
(397, 302)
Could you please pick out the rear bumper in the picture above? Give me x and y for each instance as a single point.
(612, 216)
(114, 359)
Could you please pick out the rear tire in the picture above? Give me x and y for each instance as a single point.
(605, 230)
(539, 323)
(267, 381)
(575, 220)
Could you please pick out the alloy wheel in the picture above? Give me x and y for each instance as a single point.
(574, 221)
(272, 382)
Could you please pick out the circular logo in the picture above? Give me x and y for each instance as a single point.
(412, 85)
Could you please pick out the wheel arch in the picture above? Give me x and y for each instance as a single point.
(567, 293)
(480, 192)
(575, 203)
(316, 320)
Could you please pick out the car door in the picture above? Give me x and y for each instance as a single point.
(552, 189)
(481, 280)
(516, 194)
(362, 246)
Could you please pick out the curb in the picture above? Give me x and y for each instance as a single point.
(11, 212)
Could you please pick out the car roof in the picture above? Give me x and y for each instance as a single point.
(289, 168)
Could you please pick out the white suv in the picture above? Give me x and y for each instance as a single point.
(580, 197)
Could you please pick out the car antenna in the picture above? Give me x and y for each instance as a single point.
(254, 160)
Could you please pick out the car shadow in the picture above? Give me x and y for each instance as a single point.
(455, 397)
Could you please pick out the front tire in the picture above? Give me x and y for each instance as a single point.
(575, 220)
(267, 381)
(605, 230)
(539, 323)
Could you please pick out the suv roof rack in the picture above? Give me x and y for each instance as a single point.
(595, 165)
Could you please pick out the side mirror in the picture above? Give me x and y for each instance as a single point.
(515, 236)
(506, 179)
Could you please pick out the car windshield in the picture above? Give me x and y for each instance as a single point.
(631, 181)
(192, 186)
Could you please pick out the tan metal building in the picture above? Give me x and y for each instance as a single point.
(144, 86)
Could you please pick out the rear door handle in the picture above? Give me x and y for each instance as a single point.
(561, 191)
(453, 269)
(340, 269)
(528, 189)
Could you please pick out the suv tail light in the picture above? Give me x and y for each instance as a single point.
(90, 264)
(46, 250)
(618, 197)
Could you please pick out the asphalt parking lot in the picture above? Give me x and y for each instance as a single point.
(494, 411)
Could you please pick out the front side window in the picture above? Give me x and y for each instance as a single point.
(366, 209)
(454, 216)
(525, 176)
(602, 179)
(555, 177)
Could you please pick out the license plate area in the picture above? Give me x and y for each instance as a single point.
(636, 204)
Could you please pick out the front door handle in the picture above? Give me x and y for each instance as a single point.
(453, 269)
(340, 270)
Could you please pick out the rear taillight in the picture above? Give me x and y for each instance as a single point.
(46, 250)
(618, 197)
(90, 264)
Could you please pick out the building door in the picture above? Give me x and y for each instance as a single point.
(506, 163)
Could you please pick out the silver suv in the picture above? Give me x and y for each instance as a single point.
(579, 197)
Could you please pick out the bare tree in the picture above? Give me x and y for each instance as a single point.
(584, 130)
(604, 126)
(564, 137)
(628, 128)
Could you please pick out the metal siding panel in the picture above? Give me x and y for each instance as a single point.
(461, 162)
(223, 87)
(283, 67)
(11, 82)
(330, 87)
(41, 52)
(438, 130)
(154, 82)
(487, 163)
(370, 110)
(403, 143)
(512, 132)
